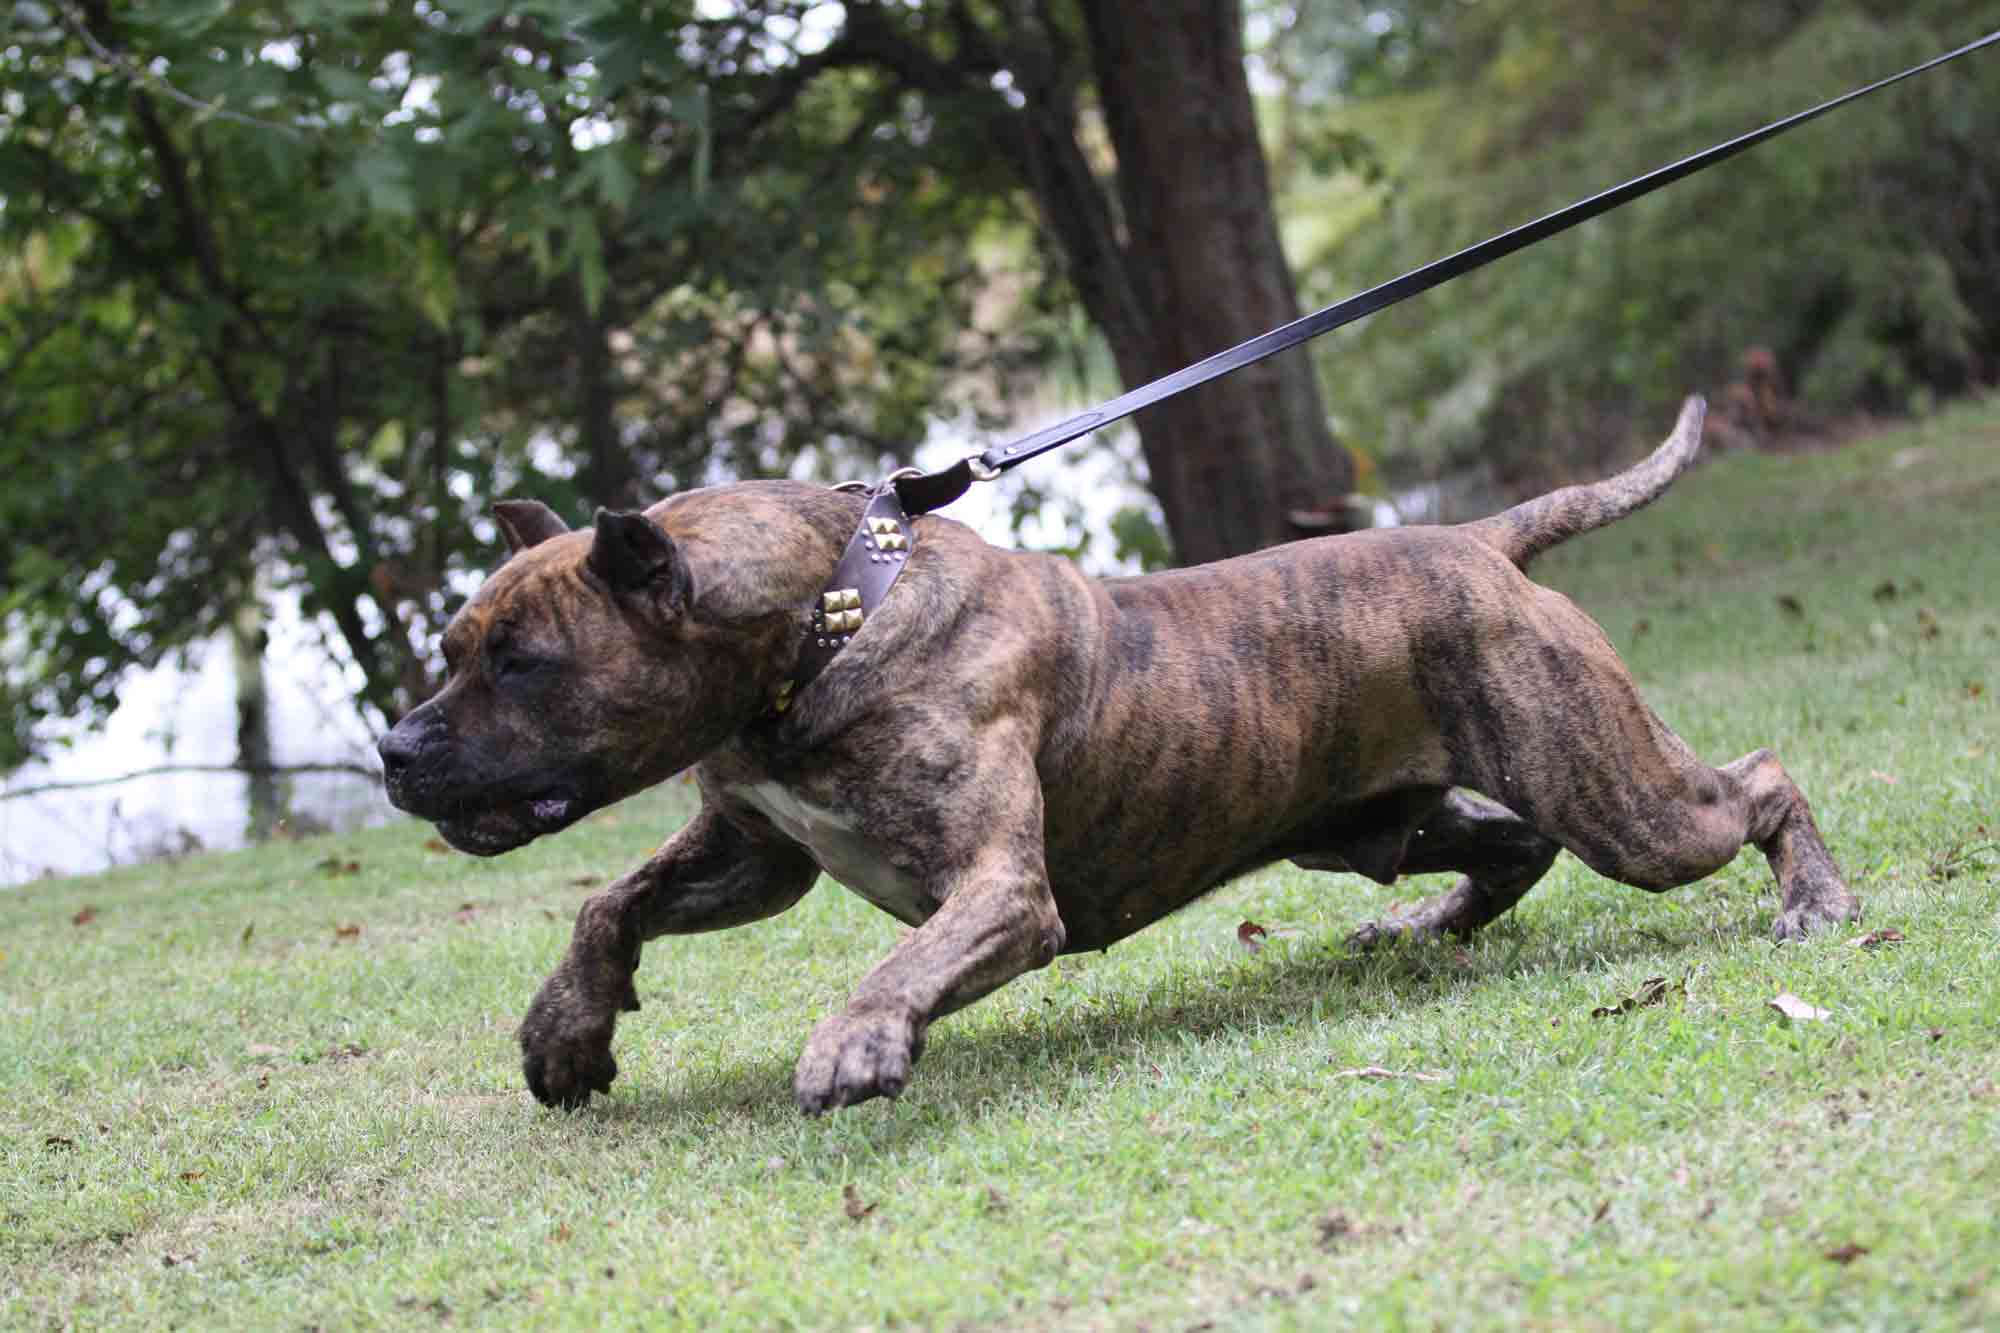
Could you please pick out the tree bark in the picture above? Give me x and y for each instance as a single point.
(1204, 260)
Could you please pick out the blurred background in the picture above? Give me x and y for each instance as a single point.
(290, 293)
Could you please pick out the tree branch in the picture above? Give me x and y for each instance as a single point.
(158, 770)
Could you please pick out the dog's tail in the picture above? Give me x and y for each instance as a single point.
(1526, 530)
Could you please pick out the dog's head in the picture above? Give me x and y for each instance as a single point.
(579, 673)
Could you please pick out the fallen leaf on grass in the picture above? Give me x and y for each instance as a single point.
(1333, 1228)
(347, 1052)
(190, 1177)
(59, 1141)
(1927, 623)
(996, 1202)
(1603, 1211)
(583, 881)
(1652, 991)
(1846, 1254)
(1875, 939)
(1792, 1007)
(1885, 591)
(561, 1234)
(850, 1202)
(263, 1080)
(1377, 1071)
(436, 845)
(1790, 605)
(84, 917)
(1974, 688)
(1251, 936)
(172, 1260)
(333, 865)
(348, 932)
(249, 929)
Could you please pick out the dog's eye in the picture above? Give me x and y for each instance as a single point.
(511, 664)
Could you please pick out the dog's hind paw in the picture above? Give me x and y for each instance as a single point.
(1816, 914)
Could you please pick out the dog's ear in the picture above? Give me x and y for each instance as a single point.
(526, 523)
(631, 554)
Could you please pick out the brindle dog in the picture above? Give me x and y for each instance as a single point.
(1021, 761)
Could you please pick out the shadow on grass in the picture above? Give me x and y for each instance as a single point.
(990, 1068)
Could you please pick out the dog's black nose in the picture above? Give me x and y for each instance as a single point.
(398, 750)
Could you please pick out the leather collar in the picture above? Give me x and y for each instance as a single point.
(868, 568)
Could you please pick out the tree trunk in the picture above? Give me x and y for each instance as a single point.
(1206, 270)
(253, 716)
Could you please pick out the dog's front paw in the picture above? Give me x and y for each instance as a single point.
(853, 1057)
(564, 1056)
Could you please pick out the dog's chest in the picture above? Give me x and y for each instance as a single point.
(841, 848)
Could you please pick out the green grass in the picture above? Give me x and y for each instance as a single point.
(223, 1113)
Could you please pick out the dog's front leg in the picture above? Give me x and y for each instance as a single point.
(709, 876)
(998, 921)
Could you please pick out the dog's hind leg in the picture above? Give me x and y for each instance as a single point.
(1500, 854)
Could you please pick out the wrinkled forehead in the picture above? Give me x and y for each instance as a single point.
(527, 586)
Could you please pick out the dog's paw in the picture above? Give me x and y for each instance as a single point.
(1833, 908)
(564, 1060)
(853, 1057)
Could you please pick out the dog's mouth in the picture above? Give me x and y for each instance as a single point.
(494, 829)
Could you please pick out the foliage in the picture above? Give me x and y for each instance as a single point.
(302, 288)
(279, 1087)
(1863, 251)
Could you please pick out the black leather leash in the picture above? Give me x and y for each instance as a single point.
(927, 491)
(881, 545)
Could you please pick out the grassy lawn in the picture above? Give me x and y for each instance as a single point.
(279, 1088)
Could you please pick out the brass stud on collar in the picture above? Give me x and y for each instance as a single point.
(841, 599)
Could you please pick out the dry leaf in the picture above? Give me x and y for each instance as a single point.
(1641, 628)
(347, 1052)
(436, 845)
(1251, 936)
(1652, 991)
(263, 1080)
(1792, 1007)
(349, 932)
(1875, 939)
(1973, 689)
(249, 929)
(189, 1177)
(1377, 1071)
(333, 865)
(1603, 1211)
(1846, 1254)
(850, 1201)
(1885, 591)
(1790, 605)
(561, 1235)
(84, 917)
(1333, 1228)
(996, 1202)
(1927, 623)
